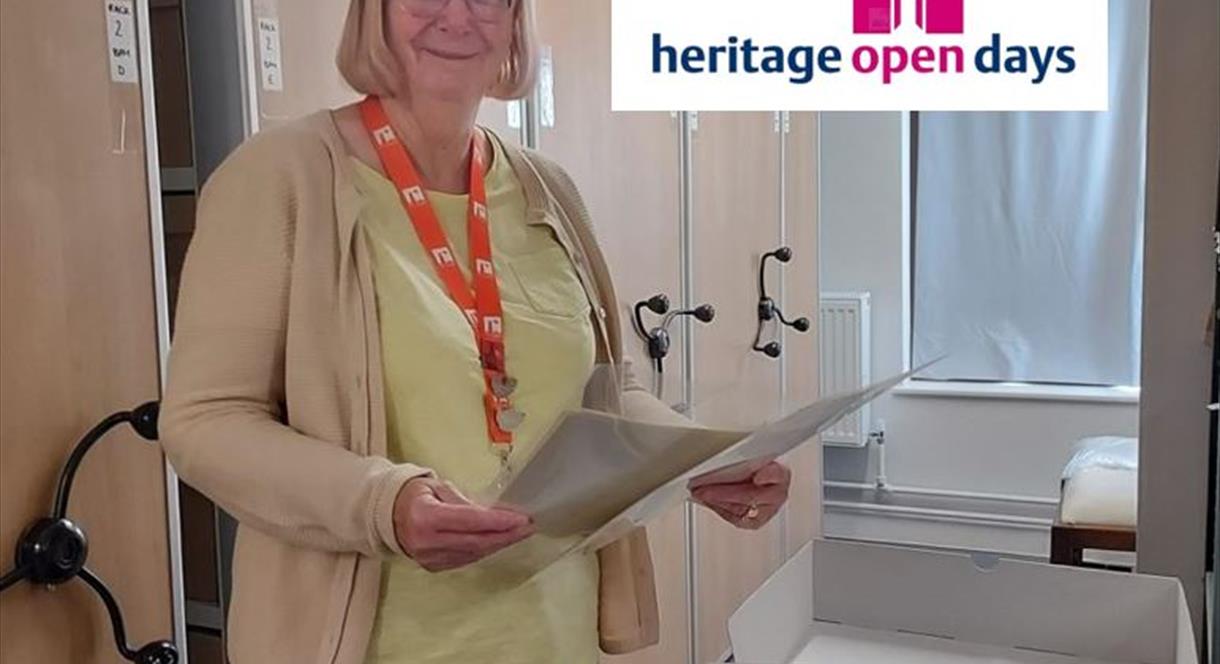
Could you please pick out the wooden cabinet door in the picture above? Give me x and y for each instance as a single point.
(79, 326)
(736, 191)
(627, 168)
(302, 38)
(802, 517)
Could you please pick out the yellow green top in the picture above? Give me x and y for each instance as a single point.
(493, 611)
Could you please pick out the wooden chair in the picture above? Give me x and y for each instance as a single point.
(1068, 542)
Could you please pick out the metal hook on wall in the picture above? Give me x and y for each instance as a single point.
(53, 550)
(769, 310)
(658, 338)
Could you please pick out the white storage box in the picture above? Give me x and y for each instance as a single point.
(847, 603)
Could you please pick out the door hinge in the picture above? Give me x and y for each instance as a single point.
(783, 122)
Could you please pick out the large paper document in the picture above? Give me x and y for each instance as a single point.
(597, 476)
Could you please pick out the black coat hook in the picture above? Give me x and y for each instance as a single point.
(657, 337)
(53, 550)
(769, 310)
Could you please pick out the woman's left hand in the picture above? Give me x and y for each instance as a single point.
(752, 502)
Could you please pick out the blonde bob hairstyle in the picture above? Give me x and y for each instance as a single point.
(368, 65)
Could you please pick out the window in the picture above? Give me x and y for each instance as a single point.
(1027, 234)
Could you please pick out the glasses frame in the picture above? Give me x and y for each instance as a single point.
(483, 10)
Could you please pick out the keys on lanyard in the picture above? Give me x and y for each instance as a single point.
(479, 300)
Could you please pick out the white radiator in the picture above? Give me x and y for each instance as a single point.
(845, 354)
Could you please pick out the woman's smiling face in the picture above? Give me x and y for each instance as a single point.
(450, 49)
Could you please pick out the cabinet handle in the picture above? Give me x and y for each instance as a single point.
(53, 550)
(657, 337)
(769, 310)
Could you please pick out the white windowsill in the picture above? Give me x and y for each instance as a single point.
(1018, 391)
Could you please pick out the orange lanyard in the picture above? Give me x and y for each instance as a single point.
(480, 301)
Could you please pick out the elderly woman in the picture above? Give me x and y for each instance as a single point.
(383, 307)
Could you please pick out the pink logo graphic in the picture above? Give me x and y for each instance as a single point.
(874, 16)
(884, 16)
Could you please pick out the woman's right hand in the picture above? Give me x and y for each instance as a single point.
(440, 529)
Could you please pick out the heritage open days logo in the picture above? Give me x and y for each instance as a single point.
(803, 62)
(886, 54)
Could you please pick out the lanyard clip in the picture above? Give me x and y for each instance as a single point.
(502, 385)
(509, 419)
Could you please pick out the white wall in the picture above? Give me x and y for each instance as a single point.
(985, 447)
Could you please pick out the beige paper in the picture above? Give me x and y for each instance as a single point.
(599, 475)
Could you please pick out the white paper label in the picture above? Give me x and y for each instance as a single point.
(514, 113)
(121, 40)
(860, 55)
(546, 87)
(270, 62)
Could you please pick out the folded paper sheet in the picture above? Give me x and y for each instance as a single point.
(599, 475)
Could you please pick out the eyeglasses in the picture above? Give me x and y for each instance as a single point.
(484, 10)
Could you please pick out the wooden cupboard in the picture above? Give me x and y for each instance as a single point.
(80, 322)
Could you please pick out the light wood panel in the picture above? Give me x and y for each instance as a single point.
(77, 335)
(309, 37)
(627, 168)
(735, 163)
(803, 515)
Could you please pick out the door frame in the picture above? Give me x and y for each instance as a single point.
(152, 169)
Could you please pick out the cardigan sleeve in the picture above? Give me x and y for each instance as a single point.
(639, 403)
(223, 424)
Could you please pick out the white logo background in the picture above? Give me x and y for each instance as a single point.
(384, 135)
(442, 256)
(1082, 24)
(414, 195)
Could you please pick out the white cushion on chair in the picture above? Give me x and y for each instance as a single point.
(1101, 483)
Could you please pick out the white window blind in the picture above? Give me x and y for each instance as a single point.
(1028, 234)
